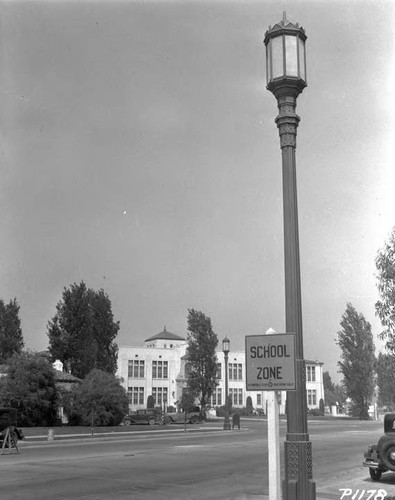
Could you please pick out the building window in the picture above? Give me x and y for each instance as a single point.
(236, 396)
(311, 397)
(160, 369)
(235, 371)
(259, 399)
(218, 375)
(311, 374)
(160, 395)
(135, 368)
(216, 398)
(136, 395)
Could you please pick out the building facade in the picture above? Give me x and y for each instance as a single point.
(160, 369)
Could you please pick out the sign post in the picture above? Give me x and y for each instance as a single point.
(273, 444)
(270, 366)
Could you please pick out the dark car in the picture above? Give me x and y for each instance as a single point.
(381, 457)
(149, 416)
(180, 417)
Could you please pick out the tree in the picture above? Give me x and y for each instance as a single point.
(187, 401)
(334, 393)
(82, 332)
(186, 404)
(340, 395)
(98, 400)
(385, 369)
(385, 307)
(29, 386)
(358, 360)
(11, 338)
(249, 407)
(202, 342)
(329, 389)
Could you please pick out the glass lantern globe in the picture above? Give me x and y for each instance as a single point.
(226, 345)
(285, 58)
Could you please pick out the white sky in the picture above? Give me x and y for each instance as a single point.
(139, 154)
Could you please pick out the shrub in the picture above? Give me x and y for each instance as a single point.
(99, 400)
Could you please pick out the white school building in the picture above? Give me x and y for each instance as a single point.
(159, 368)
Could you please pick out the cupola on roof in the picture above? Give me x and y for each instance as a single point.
(165, 335)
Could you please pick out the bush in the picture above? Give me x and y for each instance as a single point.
(315, 412)
(243, 412)
(29, 386)
(99, 400)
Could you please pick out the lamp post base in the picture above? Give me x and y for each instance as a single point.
(299, 484)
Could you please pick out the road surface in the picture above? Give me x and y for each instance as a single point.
(203, 463)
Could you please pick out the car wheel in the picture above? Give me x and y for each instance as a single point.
(168, 420)
(388, 456)
(127, 422)
(375, 474)
(194, 419)
(151, 421)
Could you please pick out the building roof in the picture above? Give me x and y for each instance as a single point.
(165, 335)
(65, 377)
(309, 362)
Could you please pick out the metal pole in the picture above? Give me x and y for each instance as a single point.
(226, 420)
(298, 483)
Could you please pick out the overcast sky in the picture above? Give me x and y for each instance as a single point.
(139, 154)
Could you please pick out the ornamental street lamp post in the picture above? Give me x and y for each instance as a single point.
(286, 79)
(225, 350)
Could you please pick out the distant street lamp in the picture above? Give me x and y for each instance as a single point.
(225, 350)
(286, 79)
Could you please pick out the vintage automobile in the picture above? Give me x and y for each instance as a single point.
(381, 457)
(180, 417)
(149, 416)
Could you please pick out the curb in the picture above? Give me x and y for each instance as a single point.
(65, 437)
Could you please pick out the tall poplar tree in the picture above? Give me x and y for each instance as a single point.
(201, 356)
(82, 332)
(385, 368)
(357, 360)
(11, 338)
(385, 307)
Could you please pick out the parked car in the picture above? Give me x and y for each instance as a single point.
(179, 417)
(149, 416)
(381, 457)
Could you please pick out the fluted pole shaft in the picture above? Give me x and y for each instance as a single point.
(298, 483)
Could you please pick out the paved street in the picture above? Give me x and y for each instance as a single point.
(210, 463)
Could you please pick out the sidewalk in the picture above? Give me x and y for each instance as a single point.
(64, 433)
